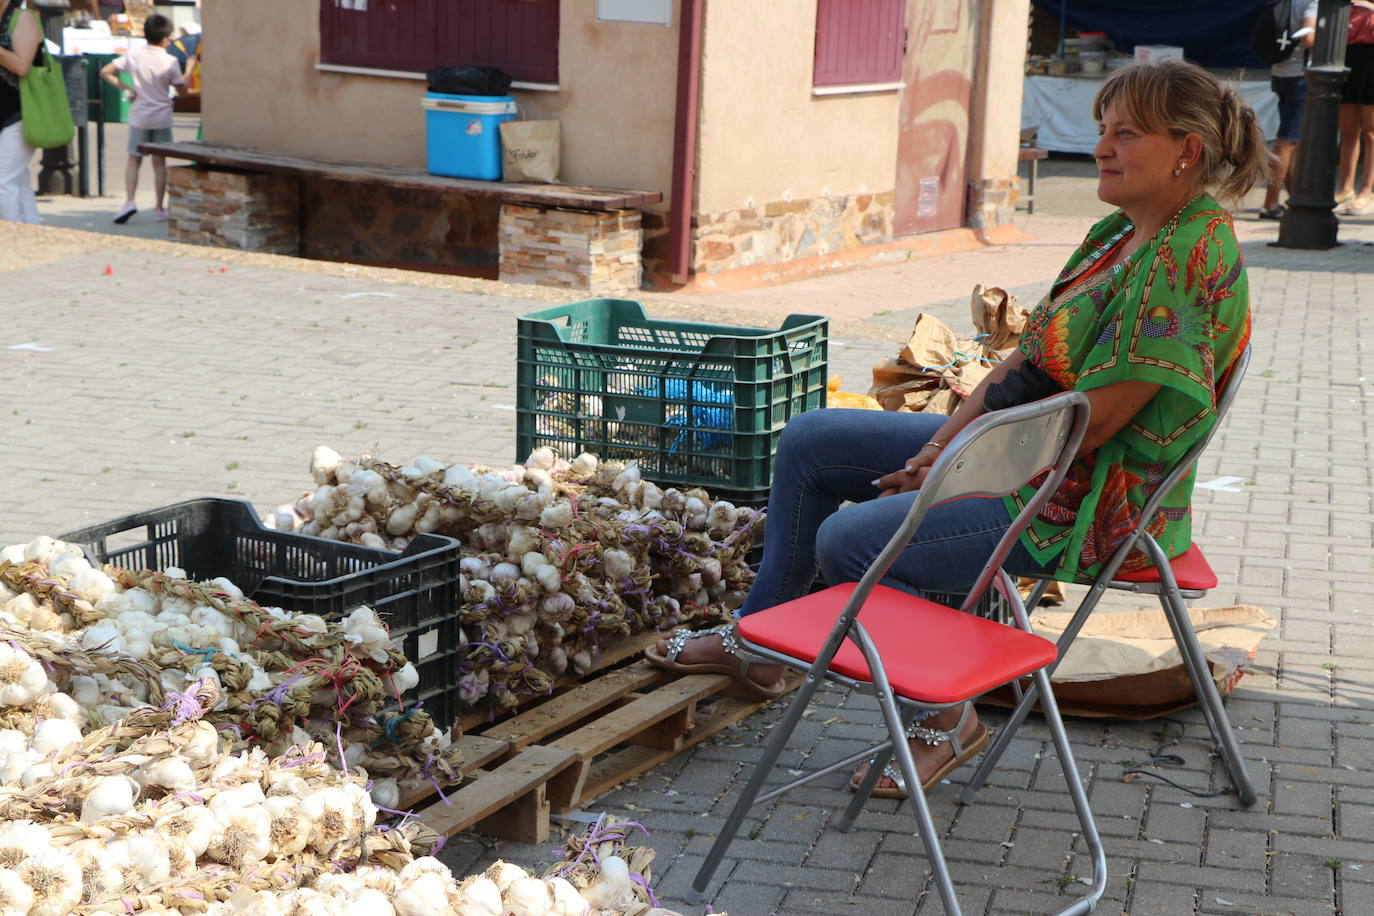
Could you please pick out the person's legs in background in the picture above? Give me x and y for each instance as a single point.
(160, 185)
(17, 202)
(1363, 202)
(1350, 151)
(1292, 94)
(130, 187)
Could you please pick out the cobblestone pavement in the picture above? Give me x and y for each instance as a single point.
(141, 376)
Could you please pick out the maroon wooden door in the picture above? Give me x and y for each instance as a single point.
(932, 143)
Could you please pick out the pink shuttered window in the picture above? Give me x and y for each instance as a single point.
(859, 41)
(518, 36)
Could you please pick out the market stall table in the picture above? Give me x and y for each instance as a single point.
(1061, 109)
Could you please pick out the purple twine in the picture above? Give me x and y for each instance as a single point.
(639, 879)
(188, 708)
(306, 759)
(338, 739)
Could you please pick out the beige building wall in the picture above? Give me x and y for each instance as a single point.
(782, 173)
(763, 135)
(616, 102)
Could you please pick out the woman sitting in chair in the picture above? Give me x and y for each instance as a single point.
(1145, 319)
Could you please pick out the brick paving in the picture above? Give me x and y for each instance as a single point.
(180, 374)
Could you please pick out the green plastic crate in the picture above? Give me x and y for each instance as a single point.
(694, 404)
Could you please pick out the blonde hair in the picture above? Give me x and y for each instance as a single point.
(1173, 96)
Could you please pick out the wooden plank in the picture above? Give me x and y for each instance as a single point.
(526, 820)
(614, 769)
(632, 718)
(616, 653)
(618, 726)
(496, 789)
(577, 704)
(250, 159)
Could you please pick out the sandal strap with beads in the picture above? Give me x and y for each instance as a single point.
(728, 642)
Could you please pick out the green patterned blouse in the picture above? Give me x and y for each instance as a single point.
(1176, 313)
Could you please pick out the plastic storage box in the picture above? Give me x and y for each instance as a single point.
(415, 592)
(463, 136)
(694, 404)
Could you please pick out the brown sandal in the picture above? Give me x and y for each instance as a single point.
(932, 737)
(739, 672)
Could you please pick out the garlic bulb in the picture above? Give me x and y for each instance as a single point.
(526, 897)
(290, 828)
(241, 836)
(21, 839)
(190, 828)
(22, 677)
(108, 796)
(16, 897)
(55, 879)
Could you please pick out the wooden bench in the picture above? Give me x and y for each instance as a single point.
(577, 237)
(1033, 155)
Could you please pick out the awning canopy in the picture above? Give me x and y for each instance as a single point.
(1212, 33)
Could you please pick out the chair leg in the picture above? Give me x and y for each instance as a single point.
(906, 761)
(1200, 672)
(870, 780)
(1077, 794)
(1022, 709)
(696, 894)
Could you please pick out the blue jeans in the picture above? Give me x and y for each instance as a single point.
(827, 457)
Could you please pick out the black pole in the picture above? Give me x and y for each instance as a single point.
(55, 161)
(1309, 220)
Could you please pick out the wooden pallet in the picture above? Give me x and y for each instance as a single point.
(581, 742)
(623, 723)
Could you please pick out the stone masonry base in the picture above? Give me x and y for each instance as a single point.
(576, 249)
(788, 230)
(250, 211)
(992, 202)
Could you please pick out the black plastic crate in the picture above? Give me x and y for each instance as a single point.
(415, 592)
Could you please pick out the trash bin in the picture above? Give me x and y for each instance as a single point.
(462, 134)
(116, 106)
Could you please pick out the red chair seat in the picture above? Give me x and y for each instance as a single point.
(932, 653)
(1191, 569)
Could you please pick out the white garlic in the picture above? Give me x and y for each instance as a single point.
(108, 796)
(53, 735)
(22, 678)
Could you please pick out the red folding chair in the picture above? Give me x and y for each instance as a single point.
(916, 655)
(1172, 580)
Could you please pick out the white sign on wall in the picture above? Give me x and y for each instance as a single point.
(653, 12)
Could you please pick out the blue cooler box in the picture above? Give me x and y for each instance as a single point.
(462, 134)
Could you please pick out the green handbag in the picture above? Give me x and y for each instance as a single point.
(43, 101)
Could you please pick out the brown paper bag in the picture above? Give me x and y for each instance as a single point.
(530, 151)
(996, 314)
(931, 343)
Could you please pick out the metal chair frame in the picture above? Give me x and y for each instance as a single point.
(992, 456)
(1171, 599)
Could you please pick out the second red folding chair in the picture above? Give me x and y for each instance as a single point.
(914, 654)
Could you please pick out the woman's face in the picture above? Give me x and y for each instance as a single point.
(1135, 167)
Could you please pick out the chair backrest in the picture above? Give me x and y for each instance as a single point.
(1226, 396)
(996, 454)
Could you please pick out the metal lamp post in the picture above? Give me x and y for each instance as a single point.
(1308, 221)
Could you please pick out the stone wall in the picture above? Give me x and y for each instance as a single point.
(992, 202)
(250, 211)
(575, 249)
(375, 224)
(782, 231)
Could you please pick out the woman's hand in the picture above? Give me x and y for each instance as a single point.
(911, 476)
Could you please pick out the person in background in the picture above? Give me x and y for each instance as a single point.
(155, 73)
(19, 42)
(1357, 112)
(1288, 83)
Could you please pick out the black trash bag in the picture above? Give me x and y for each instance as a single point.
(468, 81)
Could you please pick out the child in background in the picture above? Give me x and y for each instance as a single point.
(155, 73)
